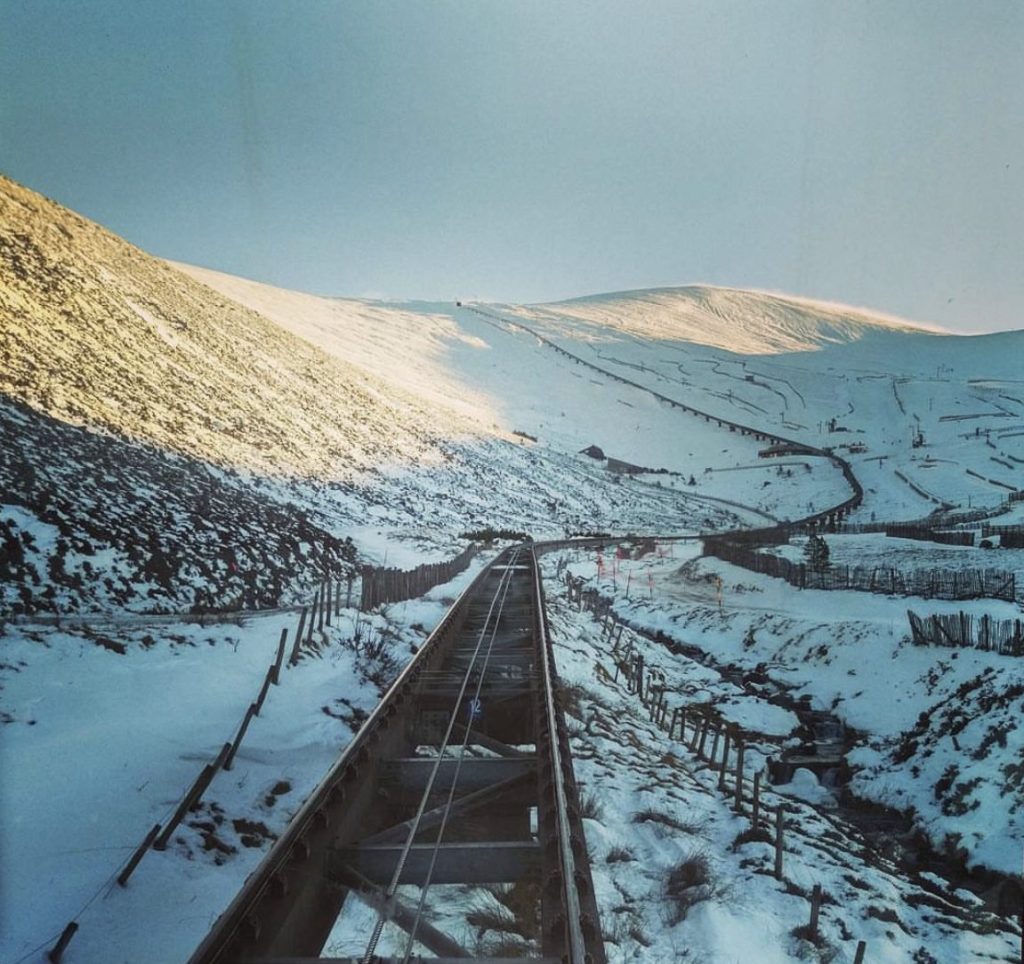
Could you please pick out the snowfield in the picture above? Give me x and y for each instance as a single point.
(180, 442)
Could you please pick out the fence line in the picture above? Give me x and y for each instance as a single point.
(1010, 537)
(158, 838)
(930, 583)
(700, 729)
(387, 585)
(953, 538)
(938, 519)
(1004, 636)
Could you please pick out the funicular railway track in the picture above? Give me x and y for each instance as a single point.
(461, 775)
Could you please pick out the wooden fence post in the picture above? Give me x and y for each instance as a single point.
(312, 617)
(858, 958)
(188, 801)
(297, 645)
(364, 589)
(815, 911)
(57, 951)
(696, 730)
(779, 817)
(725, 758)
(280, 656)
(714, 746)
(249, 714)
(755, 813)
(705, 726)
(738, 803)
(264, 688)
(328, 608)
(298, 637)
(320, 605)
(129, 868)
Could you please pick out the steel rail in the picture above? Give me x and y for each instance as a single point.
(576, 944)
(217, 941)
(501, 590)
(424, 887)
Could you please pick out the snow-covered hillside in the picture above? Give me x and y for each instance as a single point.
(178, 440)
(912, 408)
(926, 420)
(176, 450)
(744, 322)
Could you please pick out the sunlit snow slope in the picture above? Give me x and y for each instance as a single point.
(913, 409)
(745, 322)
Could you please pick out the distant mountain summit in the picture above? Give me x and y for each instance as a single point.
(745, 322)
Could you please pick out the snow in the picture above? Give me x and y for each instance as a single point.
(631, 768)
(129, 733)
(851, 653)
(745, 322)
(264, 426)
(806, 786)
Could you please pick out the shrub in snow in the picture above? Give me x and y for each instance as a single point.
(689, 883)
(816, 553)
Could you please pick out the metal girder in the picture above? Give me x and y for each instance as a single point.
(405, 917)
(476, 738)
(505, 689)
(399, 960)
(509, 792)
(490, 862)
(341, 843)
(474, 773)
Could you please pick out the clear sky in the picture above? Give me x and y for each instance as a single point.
(868, 152)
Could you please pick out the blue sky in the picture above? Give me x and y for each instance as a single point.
(869, 152)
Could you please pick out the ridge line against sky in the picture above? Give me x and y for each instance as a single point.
(857, 152)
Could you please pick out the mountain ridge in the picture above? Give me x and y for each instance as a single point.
(743, 321)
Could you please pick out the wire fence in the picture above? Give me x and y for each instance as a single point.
(313, 619)
(922, 534)
(1010, 537)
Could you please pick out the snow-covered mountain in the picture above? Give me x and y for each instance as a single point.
(171, 448)
(740, 321)
(98, 333)
(176, 439)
